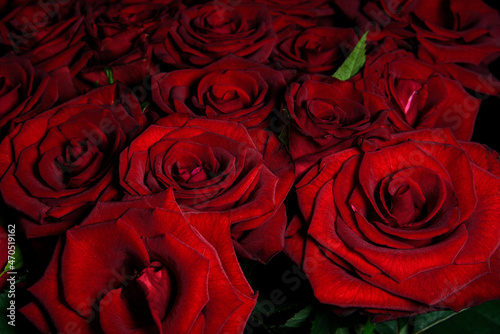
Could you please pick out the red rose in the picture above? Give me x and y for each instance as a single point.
(406, 229)
(459, 37)
(23, 89)
(50, 35)
(421, 96)
(118, 28)
(131, 70)
(232, 89)
(457, 31)
(216, 167)
(315, 50)
(207, 32)
(54, 166)
(304, 13)
(330, 117)
(119, 33)
(134, 268)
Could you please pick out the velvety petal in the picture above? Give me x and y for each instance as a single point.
(333, 285)
(120, 254)
(48, 293)
(115, 316)
(481, 226)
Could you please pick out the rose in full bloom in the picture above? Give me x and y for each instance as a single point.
(314, 50)
(462, 37)
(405, 229)
(50, 35)
(232, 89)
(459, 37)
(457, 31)
(207, 32)
(54, 166)
(422, 97)
(331, 116)
(216, 167)
(23, 89)
(139, 267)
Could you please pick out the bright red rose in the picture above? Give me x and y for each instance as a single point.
(328, 117)
(56, 165)
(139, 267)
(409, 228)
(207, 32)
(421, 96)
(216, 167)
(314, 50)
(232, 89)
(24, 90)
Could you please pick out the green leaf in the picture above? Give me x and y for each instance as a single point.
(387, 327)
(322, 324)
(353, 64)
(144, 105)
(15, 262)
(109, 73)
(403, 326)
(299, 319)
(369, 327)
(483, 319)
(284, 136)
(399, 326)
(425, 321)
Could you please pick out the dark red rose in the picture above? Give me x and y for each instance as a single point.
(304, 13)
(133, 70)
(315, 50)
(23, 89)
(409, 228)
(381, 17)
(50, 35)
(457, 31)
(118, 28)
(133, 268)
(459, 37)
(119, 33)
(216, 167)
(54, 166)
(462, 37)
(207, 32)
(232, 89)
(422, 97)
(330, 117)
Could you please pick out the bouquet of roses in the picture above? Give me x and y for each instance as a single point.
(236, 166)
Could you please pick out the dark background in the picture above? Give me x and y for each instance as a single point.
(487, 128)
